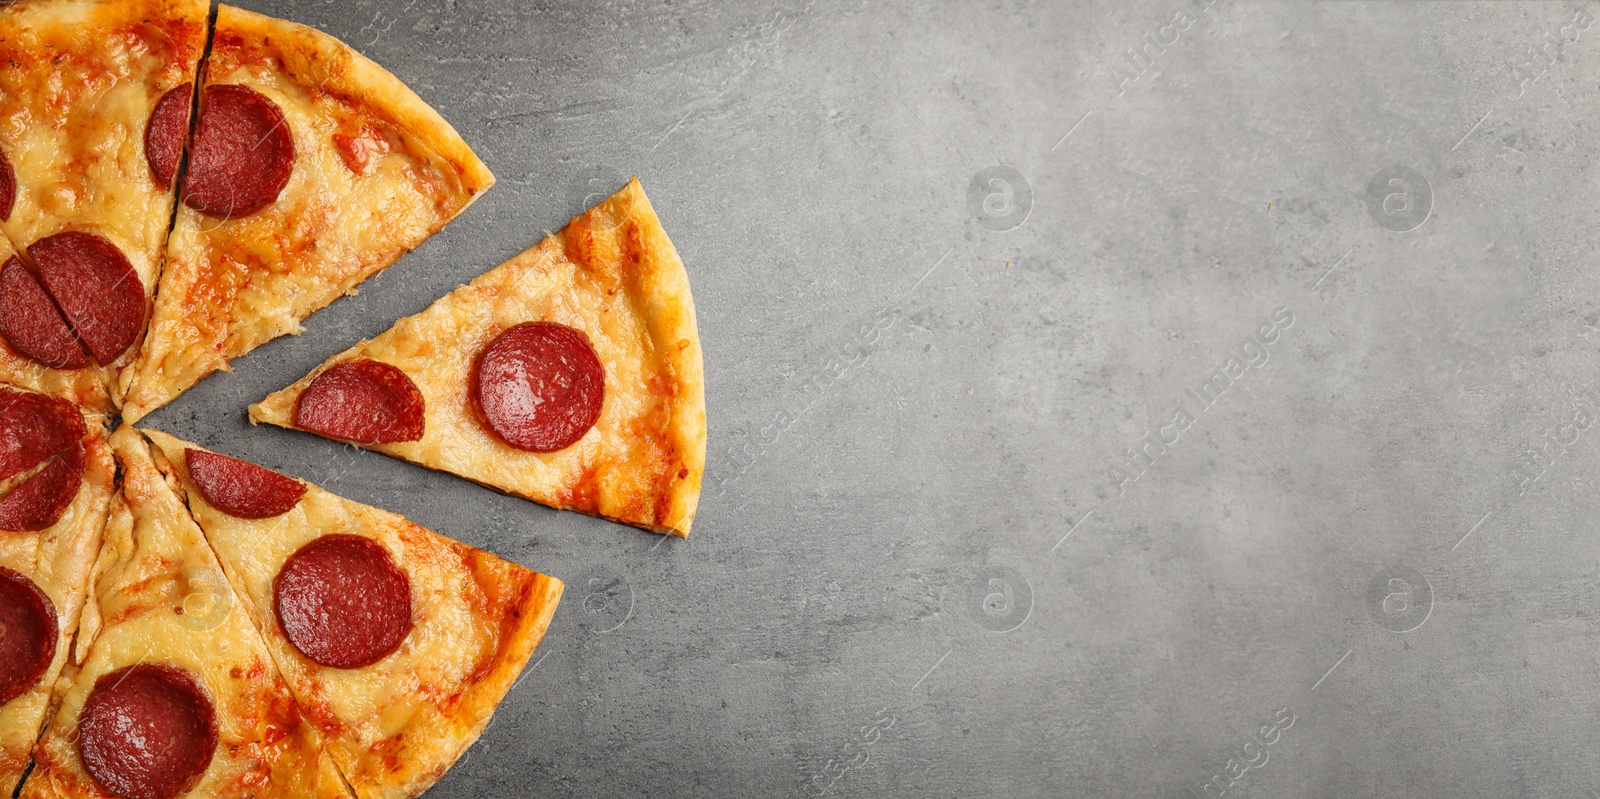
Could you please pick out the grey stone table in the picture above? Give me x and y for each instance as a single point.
(1105, 398)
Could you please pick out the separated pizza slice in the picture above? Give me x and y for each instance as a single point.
(310, 169)
(569, 375)
(94, 108)
(173, 691)
(56, 484)
(398, 641)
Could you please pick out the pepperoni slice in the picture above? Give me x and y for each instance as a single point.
(34, 428)
(163, 134)
(343, 602)
(147, 732)
(242, 154)
(364, 401)
(96, 289)
(28, 633)
(41, 499)
(31, 323)
(539, 386)
(240, 488)
(8, 187)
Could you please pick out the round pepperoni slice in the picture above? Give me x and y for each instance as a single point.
(41, 499)
(34, 428)
(364, 401)
(239, 488)
(8, 187)
(343, 602)
(539, 386)
(28, 634)
(242, 154)
(163, 134)
(147, 732)
(96, 289)
(31, 323)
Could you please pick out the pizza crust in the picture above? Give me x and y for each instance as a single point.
(613, 274)
(376, 171)
(394, 727)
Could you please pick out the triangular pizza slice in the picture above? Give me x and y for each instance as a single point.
(94, 99)
(173, 690)
(56, 483)
(398, 641)
(569, 375)
(310, 169)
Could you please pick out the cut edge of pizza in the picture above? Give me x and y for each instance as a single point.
(86, 181)
(570, 375)
(167, 655)
(403, 675)
(310, 169)
(46, 557)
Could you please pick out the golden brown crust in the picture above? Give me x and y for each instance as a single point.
(614, 274)
(376, 171)
(624, 236)
(329, 67)
(397, 726)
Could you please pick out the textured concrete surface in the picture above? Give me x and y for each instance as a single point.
(1084, 422)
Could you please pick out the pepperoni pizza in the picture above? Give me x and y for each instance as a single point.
(243, 634)
(37, 349)
(569, 375)
(397, 641)
(86, 165)
(311, 168)
(172, 689)
(56, 483)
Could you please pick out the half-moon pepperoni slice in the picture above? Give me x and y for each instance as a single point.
(31, 323)
(28, 633)
(364, 401)
(35, 428)
(41, 499)
(539, 386)
(242, 154)
(8, 187)
(164, 132)
(96, 289)
(239, 488)
(147, 731)
(343, 602)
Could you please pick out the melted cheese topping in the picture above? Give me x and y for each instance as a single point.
(376, 172)
(72, 121)
(613, 274)
(58, 559)
(395, 726)
(160, 597)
